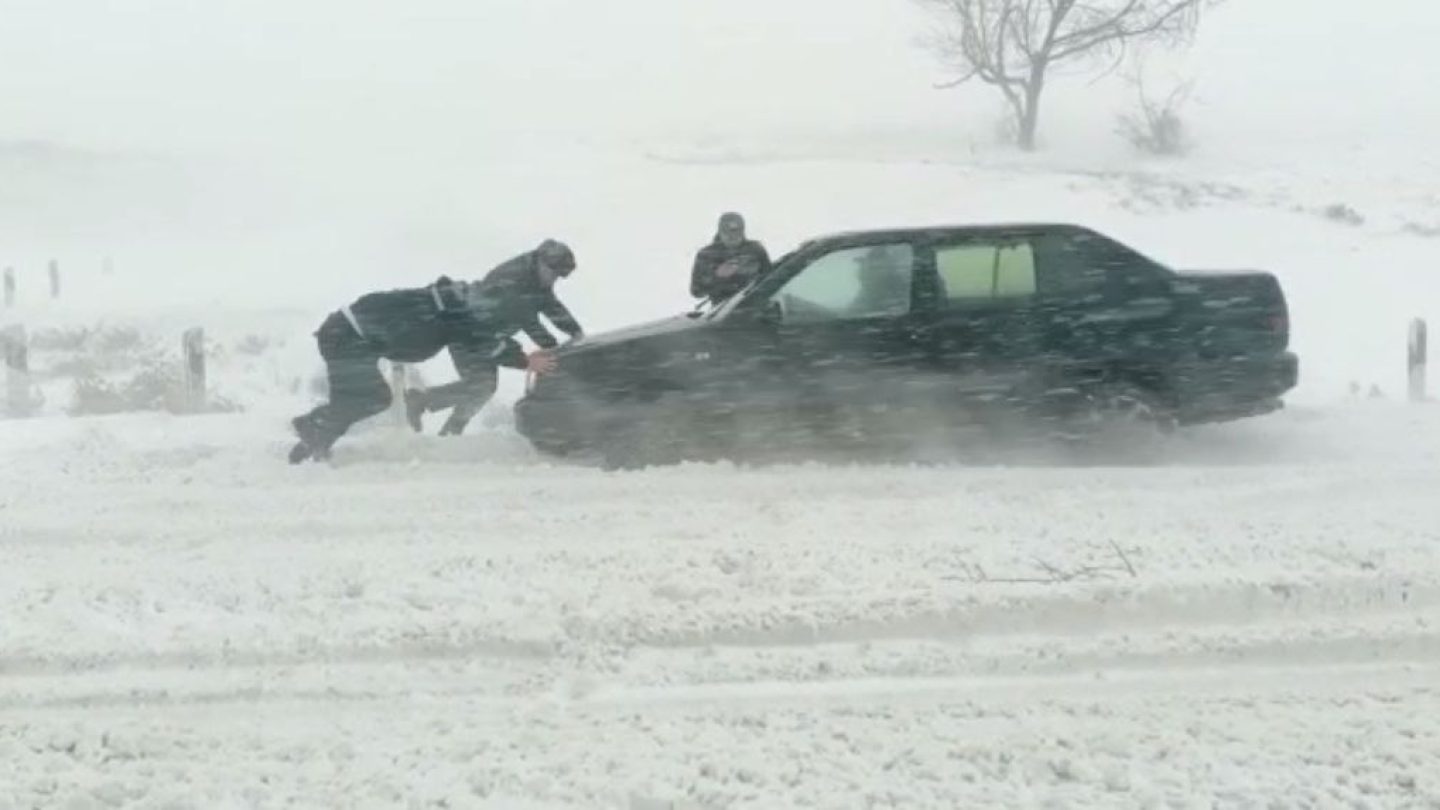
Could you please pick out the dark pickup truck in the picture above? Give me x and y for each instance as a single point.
(887, 336)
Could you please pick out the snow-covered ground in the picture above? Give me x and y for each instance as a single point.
(188, 623)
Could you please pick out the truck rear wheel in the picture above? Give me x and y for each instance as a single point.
(1119, 422)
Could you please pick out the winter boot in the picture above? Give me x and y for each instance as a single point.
(455, 425)
(312, 443)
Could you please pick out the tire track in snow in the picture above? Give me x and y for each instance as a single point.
(1082, 612)
(63, 664)
(1071, 616)
(1249, 678)
(1401, 645)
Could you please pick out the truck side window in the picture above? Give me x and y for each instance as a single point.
(874, 281)
(1067, 269)
(980, 272)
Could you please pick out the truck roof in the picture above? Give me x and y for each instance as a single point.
(973, 227)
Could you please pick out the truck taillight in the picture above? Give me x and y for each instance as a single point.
(1279, 324)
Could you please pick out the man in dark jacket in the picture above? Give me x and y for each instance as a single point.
(512, 297)
(730, 262)
(403, 326)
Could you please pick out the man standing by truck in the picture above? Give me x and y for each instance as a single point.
(729, 262)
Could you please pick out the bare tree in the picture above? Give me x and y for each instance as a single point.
(1013, 45)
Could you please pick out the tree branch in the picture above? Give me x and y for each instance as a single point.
(1114, 30)
(1013, 44)
(1098, 28)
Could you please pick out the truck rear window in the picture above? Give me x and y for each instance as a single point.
(979, 272)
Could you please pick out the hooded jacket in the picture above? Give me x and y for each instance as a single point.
(749, 254)
(513, 298)
(414, 325)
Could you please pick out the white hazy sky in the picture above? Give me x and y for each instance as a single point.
(376, 138)
(276, 72)
(382, 74)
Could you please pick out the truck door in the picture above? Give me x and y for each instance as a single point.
(842, 333)
(984, 339)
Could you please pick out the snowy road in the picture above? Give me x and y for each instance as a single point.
(187, 623)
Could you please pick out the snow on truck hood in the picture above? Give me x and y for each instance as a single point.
(664, 326)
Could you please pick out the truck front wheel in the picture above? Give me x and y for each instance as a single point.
(653, 434)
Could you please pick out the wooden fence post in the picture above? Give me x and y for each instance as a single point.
(54, 279)
(9, 287)
(17, 371)
(193, 344)
(1416, 360)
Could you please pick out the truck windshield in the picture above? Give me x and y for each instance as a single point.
(724, 307)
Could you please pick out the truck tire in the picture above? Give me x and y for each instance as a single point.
(647, 435)
(1119, 422)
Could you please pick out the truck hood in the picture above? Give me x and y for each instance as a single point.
(665, 326)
